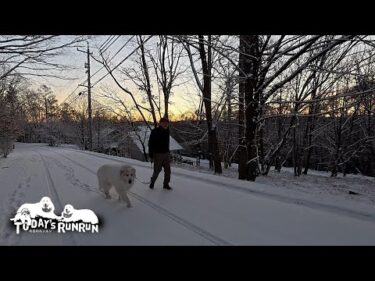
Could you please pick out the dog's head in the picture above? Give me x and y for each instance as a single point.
(24, 216)
(127, 174)
(47, 205)
(25, 212)
(68, 211)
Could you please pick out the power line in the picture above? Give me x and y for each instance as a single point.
(103, 67)
(106, 48)
(74, 99)
(109, 41)
(123, 46)
(70, 94)
(110, 38)
(68, 97)
(105, 42)
(121, 62)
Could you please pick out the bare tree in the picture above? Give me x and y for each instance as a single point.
(167, 66)
(205, 56)
(263, 71)
(32, 55)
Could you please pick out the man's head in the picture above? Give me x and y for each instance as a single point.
(164, 122)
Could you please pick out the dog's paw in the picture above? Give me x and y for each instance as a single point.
(129, 206)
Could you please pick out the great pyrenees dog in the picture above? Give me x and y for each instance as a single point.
(72, 215)
(119, 176)
(44, 208)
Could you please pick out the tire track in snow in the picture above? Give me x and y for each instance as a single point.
(200, 231)
(68, 237)
(188, 225)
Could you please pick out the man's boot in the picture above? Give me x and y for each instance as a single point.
(152, 184)
(166, 186)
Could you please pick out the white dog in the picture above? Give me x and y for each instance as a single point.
(72, 215)
(44, 208)
(121, 177)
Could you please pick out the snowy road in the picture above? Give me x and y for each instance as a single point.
(201, 210)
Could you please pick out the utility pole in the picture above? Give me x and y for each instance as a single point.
(87, 65)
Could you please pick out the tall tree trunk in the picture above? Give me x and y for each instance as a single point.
(279, 136)
(261, 142)
(251, 67)
(229, 100)
(148, 83)
(213, 146)
(308, 136)
(228, 119)
(294, 152)
(337, 155)
(241, 151)
(310, 125)
(296, 146)
(166, 105)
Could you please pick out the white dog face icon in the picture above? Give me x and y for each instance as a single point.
(68, 211)
(128, 175)
(47, 205)
(73, 215)
(25, 216)
(25, 212)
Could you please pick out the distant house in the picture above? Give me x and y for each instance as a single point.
(109, 140)
(133, 144)
(140, 139)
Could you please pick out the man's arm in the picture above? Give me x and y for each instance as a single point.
(169, 133)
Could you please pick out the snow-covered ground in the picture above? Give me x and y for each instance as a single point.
(203, 209)
(318, 184)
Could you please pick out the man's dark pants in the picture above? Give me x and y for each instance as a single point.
(161, 160)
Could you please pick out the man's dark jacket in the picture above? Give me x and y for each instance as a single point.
(159, 141)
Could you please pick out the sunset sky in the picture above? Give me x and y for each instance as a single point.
(185, 97)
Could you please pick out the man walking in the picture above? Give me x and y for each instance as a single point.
(158, 148)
